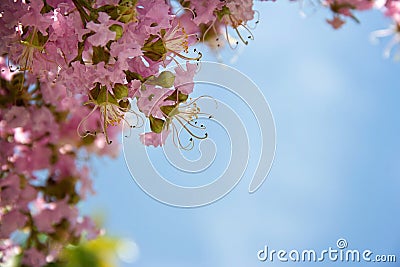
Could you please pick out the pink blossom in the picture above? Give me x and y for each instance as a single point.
(133, 88)
(154, 139)
(35, 158)
(65, 167)
(44, 125)
(52, 215)
(151, 98)
(34, 258)
(10, 189)
(108, 75)
(345, 7)
(78, 79)
(191, 28)
(241, 12)
(17, 117)
(100, 3)
(76, 23)
(10, 222)
(12, 11)
(60, 3)
(86, 185)
(128, 46)
(47, 62)
(204, 10)
(27, 194)
(393, 10)
(53, 92)
(43, 119)
(64, 35)
(5, 73)
(184, 78)
(86, 225)
(102, 32)
(33, 17)
(153, 16)
(143, 67)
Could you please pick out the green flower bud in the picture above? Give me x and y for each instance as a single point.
(156, 125)
(120, 91)
(118, 30)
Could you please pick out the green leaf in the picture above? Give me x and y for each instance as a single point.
(156, 125)
(127, 11)
(152, 55)
(177, 96)
(60, 189)
(105, 97)
(16, 82)
(163, 32)
(112, 11)
(184, 3)
(94, 93)
(224, 11)
(154, 50)
(100, 54)
(46, 8)
(133, 76)
(165, 79)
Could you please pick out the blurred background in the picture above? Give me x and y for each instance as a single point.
(336, 173)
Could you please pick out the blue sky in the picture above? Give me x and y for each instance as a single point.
(335, 101)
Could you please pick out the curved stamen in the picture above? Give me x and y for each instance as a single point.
(251, 36)
(189, 131)
(395, 40)
(257, 20)
(240, 36)
(198, 98)
(212, 26)
(200, 55)
(185, 8)
(229, 41)
(375, 35)
(138, 118)
(202, 127)
(176, 40)
(84, 120)
(175, 136)
(198, 113)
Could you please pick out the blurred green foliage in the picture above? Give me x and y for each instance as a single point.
(100, 252)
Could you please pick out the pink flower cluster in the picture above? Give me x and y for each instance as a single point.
(41, 179)
(70, 71)
(346, 8)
